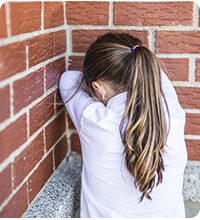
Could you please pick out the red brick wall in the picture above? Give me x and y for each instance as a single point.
(38, 41)
(33, 142)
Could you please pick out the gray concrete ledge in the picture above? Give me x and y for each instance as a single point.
(191, 184)
(60, 196)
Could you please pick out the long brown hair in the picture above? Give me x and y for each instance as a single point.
(143, 127)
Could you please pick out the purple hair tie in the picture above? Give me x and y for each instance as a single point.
(133, 49)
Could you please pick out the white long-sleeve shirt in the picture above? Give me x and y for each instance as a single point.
(107, 187)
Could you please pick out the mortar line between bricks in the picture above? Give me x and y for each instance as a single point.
(69, 45)
(12, 176)
(65, 24)
(45, 80)
(27, 57)
(28, 124)
(152, 40)
(72, 131)
(44, 140)
(25, 110)
(64, 13)
(142, 28)
(24, 73)
(42, 16)
(17, 152)
(25, 36)
(66, 62)
(184, 55)
(11, 100)
(27, 177)
(186, 84)
(111, 14)
(69, 41)
(53, 159)
(54, 103)
(7, 9)
(192, 69)
(195, 15)
(192, 111)
(28, 200)
(192, 137)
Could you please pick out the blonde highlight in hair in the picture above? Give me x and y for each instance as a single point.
(143, 127)
(145, 134)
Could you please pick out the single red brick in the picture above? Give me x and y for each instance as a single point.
(5, 183)
(17, 205)
(25, 17)
(27, 89)
(3, 28)
(189, 97)
(53, 72)
(83, 38)
(5, 103)
(197, 76)
(58, 101)
(40, 176)
(176, 69)
(28, 159)
(13, 59)
(46, 46)
(153, 13)
(60, 151)
(41, 113)
(75, 143)
(76, 63)
(192, 124)
(169, 42)
(53, 14)
(54, 130)
(193, 149)
(88, 13)
(12, 137)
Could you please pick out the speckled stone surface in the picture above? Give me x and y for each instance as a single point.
(60, 196)
(191, 184)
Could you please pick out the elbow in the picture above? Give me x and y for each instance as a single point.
(61, 81)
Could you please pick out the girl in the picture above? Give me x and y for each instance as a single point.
(131, 128)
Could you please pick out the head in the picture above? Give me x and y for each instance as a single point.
(110, 67)
(105, 61)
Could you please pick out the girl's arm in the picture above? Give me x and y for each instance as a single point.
(68, 85)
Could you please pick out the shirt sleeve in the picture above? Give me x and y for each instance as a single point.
(168, 88)
(75, 101)
(177, 114)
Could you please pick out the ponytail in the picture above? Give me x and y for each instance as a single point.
(145, 132)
